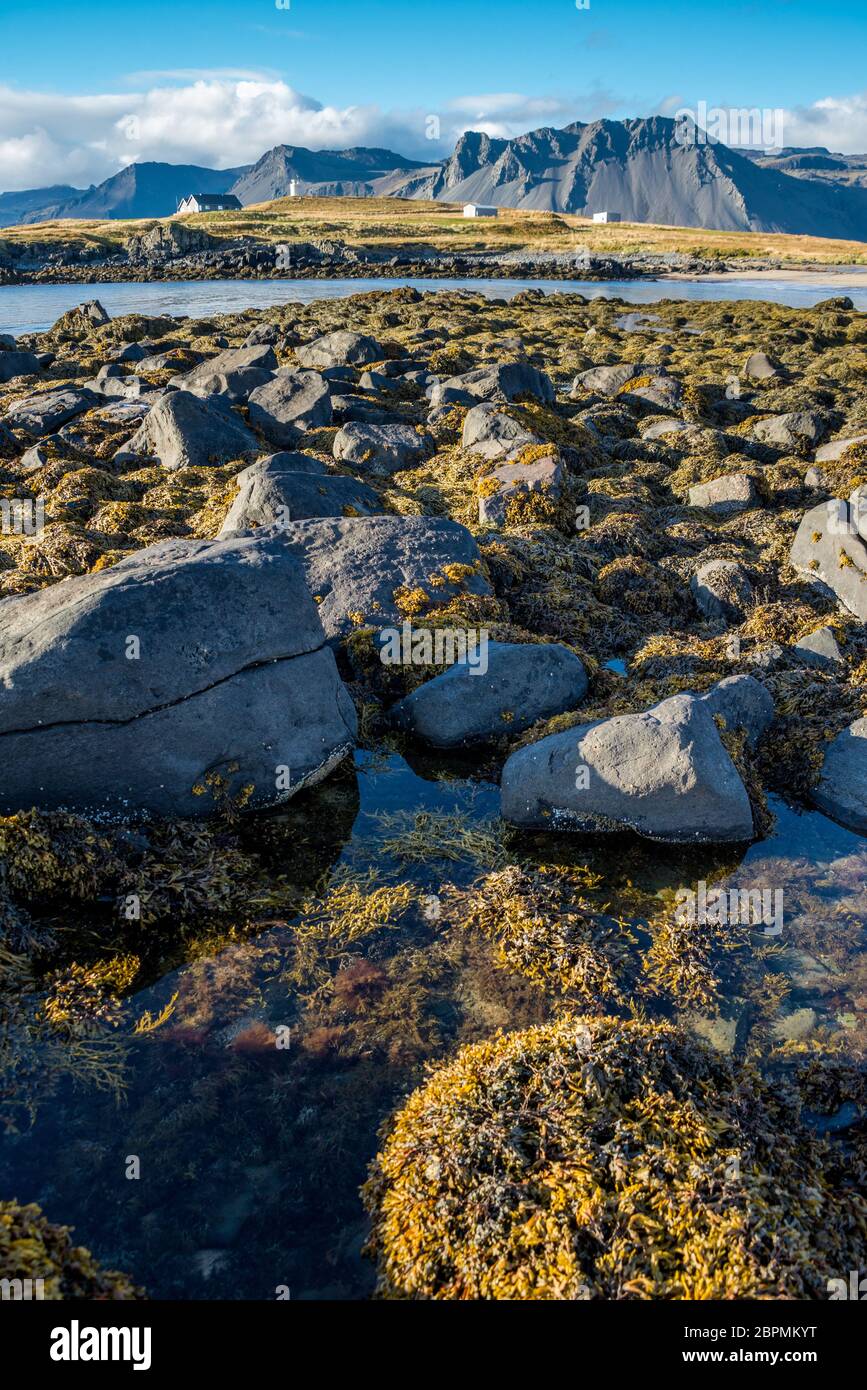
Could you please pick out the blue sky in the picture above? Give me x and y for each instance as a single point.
(69, 71)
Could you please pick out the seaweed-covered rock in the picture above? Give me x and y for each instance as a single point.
(513, 482)
(828, 551)
(133, 689)
(829, 453)
(722, 590)
(507, 381)
(663, 773)
(382, 448)
(842, 788)
(505, 688)
(608, 380)
(32, 1248)
(591, 1158)
(377, 571)
(293, 487)
(288, 405)
(184, 431)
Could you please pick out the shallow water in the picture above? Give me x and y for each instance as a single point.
(32, 308)
(251, 1157)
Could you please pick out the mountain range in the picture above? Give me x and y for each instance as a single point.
(635, 167)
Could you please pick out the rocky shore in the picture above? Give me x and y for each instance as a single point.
(615, 563)
(172, 251)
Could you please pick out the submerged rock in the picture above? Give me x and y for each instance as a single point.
(131, 690)
(842, 789)
(502, 688)
(663, 773)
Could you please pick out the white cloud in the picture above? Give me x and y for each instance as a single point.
(229, 117)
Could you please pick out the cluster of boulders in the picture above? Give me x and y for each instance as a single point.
(196, 668)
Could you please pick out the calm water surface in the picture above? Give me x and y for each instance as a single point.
(32, 308)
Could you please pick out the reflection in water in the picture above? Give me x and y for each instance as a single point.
(251, 1154)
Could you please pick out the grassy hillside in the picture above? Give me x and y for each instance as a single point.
(394, 224)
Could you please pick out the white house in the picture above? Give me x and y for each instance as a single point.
(606, 217)
(209, 202)
(479, 210)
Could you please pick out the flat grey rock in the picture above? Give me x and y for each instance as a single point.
(819, 648)
(726, 495)
(829, 453)
(120, 691)
(522, 684)
(357, 567)
(288, 405)
(185, 431)
(43, 413)
(15, 364)
(663, 773)
(382, 448)
(842, 789)
(340, 349)
(275, 492)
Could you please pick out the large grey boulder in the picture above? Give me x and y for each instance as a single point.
(828, 551)
(726, 495)
(502, 688)
(382, 448)
(294, 487)
(122, 692)
(796, 432)
(288, 405)
(842, 788)
(359, 569)
(44, 413)
(664, 773)
(340, 349)
(494, 435)
(184, 431)
(742, 702)
(722, 590)
(506, 381)
(14, 364)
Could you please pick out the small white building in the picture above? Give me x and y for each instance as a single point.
(479, 210)
(209, 202)
(606, 217)
(293, 188)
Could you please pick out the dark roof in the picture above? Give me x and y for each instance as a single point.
(213, 200)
